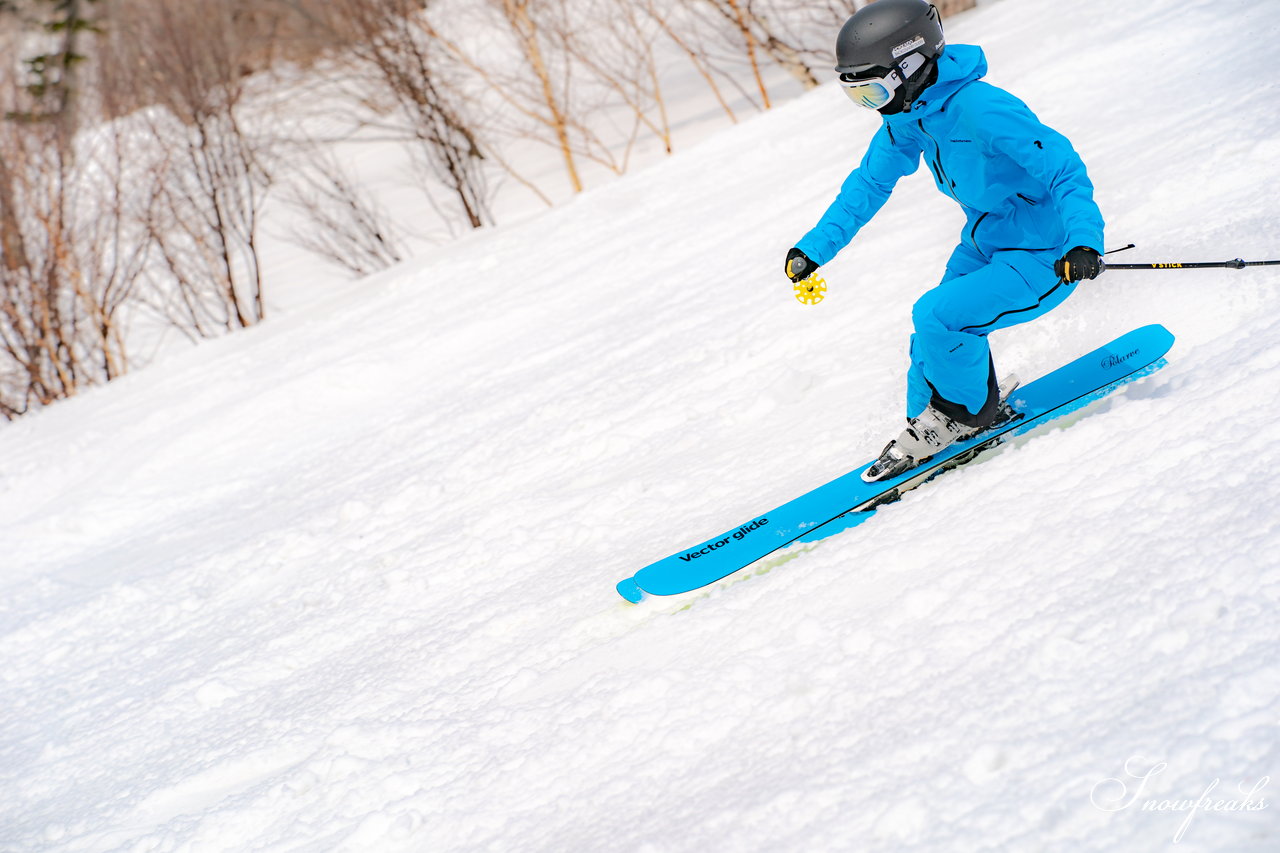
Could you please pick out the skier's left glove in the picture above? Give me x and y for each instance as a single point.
(799, 266)
(1079, 263)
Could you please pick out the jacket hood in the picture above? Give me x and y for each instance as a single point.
(959, 65)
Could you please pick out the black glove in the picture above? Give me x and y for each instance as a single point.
(1079, 263)
(799, 267)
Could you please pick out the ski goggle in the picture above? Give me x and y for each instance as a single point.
(874, 92)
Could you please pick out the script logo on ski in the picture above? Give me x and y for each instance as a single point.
(740, 533)
(1113, 360)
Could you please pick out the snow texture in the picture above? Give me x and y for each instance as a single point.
(345, 581)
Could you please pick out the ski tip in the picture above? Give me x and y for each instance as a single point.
(630, 590)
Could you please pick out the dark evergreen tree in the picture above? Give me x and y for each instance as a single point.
(52, 74)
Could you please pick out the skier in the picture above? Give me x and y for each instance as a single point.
(1032, 229)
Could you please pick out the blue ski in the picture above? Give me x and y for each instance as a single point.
(848, 500)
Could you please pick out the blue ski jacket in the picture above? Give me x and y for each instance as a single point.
(1021, 184)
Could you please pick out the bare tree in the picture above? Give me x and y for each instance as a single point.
(407, 63)
(718, 41)
(71, 259)
(215, 181)
(798, 34)
(619, 52)
(339, 221)
(536, 82)
(792, 33)
(659, 12)
(738, 18)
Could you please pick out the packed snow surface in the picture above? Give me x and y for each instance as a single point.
(345, 582)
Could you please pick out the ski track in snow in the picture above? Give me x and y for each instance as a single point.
(345, 582)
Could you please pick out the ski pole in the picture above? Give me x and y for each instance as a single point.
(1236, 264)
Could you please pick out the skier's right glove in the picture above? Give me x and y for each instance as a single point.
(1078, 264)
(799, 266)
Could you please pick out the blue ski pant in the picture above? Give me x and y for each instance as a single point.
(950, 356)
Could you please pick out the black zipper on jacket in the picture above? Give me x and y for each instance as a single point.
(973, 233)
(949, 186)
(946, 182)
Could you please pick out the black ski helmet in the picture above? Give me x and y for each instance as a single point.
(880, 35)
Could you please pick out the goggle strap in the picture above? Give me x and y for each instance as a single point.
(916, 61)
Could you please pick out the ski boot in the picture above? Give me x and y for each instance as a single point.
(930, 432)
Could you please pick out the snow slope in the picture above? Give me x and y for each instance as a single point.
(345, 582)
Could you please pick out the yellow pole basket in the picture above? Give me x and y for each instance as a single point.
(811, 290)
